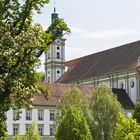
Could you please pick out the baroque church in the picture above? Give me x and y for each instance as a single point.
(118, 68)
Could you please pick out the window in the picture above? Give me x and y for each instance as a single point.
(27, 127)
(28, 115)
(41, 129)
(121, 85)
(58, 72)
(40, 115)
(58, 47)
(15, 129)
(48, 72)
(51, 130)
(52, 115)
(58, 55)
(132, 84)
(16, 115)
(48, 79)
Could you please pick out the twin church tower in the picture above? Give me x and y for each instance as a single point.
(55, 57)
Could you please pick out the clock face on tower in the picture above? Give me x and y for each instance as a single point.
(58, 41)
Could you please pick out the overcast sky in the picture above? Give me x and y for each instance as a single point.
(95, 25)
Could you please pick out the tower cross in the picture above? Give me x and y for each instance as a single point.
(54, 3)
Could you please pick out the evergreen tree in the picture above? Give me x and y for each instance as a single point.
(136, 114)
(126, 129)
(73, 126)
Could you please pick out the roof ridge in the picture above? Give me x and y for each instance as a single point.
(126, 44)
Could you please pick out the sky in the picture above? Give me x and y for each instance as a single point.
(95, 25)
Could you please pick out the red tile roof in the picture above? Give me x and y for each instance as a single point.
(102, 63)
(57, 90)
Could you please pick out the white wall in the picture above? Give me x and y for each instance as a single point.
(22, 122)
(125, 79)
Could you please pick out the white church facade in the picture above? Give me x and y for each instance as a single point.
(117, 67)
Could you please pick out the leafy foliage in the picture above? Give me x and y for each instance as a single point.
(136, 114)
(104, 110)
(73, 97)
(21, 44)
(73, 126)
(40, 76)
(126, 129)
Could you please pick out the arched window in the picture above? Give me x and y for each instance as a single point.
(132, 84)
(48, 79)
(58, 55)
(121, 85)
(58, 47)
(48, 72)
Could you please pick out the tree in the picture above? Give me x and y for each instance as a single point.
(31, 134)
(104, 109)
(73, 126)
(136, 114)
(73, 97)
(126, 129)
(40, 76)
(21, 44)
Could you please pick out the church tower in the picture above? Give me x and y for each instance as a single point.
(55, 58)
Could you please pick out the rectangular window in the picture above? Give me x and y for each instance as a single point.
(52, 115)
(15, 115)
(28, 115)
(41, 129)
(40, 115)
(51, 130)
(15, 129)
(27, 127)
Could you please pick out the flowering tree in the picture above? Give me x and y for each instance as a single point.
(21, 44)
